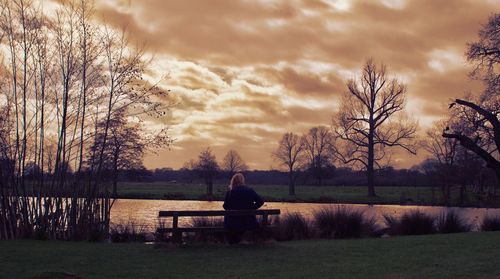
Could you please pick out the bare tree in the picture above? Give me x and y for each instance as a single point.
(290, 154)
(479, 129)
(125, 149)
(233, 163)
(207, 168)
(367, 121)
(485, 55)
(318, 147)
(444, 152)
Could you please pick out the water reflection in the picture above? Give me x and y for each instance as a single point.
(145, 212)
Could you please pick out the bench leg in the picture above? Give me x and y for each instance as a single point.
(176, 235)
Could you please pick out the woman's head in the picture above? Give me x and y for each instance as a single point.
(237, 180)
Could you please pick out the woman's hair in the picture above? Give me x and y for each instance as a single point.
(237, 180)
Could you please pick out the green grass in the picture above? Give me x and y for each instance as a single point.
(338, 194)
(465, 255)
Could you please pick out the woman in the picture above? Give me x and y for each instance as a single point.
(240, 197)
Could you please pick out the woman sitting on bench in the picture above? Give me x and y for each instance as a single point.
(240, 197)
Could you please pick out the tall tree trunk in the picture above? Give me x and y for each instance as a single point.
(210, 188)
(291, 186)
(370, 169)
(115, 173)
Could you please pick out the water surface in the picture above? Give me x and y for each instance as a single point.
(145, 212)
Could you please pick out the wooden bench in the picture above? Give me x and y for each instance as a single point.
(177, 231)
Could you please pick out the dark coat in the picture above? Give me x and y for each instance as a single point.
(241, 198)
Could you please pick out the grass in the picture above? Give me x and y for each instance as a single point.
(337, 194)
(465, 255)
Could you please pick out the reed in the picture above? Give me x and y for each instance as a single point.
(291, 226)
(128, 232)
(451, 222)
(411, 223)
(343, 222)
(491, 223)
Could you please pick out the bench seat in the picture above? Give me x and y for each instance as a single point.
(177, 231)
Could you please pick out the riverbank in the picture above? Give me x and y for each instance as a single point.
(466, 255)
(310, 194)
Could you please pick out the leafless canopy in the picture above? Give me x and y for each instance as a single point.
(485, 54)
(290, 154)
(318, 149)
(207, 168)
(233, 163)
(371, 118)
(476, 123)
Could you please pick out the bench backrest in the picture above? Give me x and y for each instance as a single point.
(193, 213)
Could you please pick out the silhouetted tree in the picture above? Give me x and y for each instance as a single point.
(367, 121)
(478, 125)
(318, 146)
(290, 154)
(124, 149)
(233, 163)
(207, 168)
(444, 152)
(485, 55)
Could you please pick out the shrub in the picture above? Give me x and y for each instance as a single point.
(291, 226)
(491, 223)
(392, 224)
(410, 223)
(342, 222)
(128, 232)
(451, 222)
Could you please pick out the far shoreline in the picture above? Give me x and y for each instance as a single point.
(309, 201)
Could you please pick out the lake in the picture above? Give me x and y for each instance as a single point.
(145, 212)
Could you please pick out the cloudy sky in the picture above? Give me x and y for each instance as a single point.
(243, 72)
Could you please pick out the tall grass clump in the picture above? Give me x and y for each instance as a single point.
(342, 222)
(292, 226)
(410, 223)
(128, 232)
(491, 223)
(451, 222)
(204, 222)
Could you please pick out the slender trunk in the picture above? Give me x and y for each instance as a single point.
(291, 185)
(115, 172)
(209, 187)
(370, 169)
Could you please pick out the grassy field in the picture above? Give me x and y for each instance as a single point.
(339, 194)
(468, 255)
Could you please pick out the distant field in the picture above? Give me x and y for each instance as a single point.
(338, 194)
(466, 255)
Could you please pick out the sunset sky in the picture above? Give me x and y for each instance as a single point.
(243, 72)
